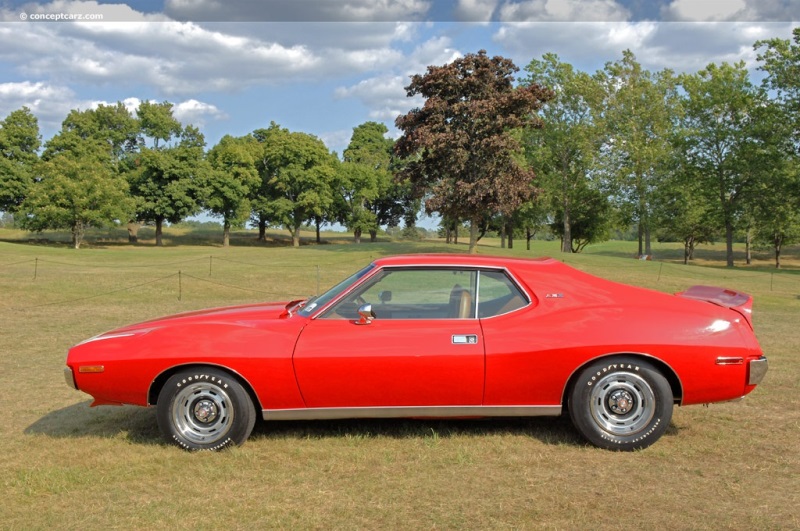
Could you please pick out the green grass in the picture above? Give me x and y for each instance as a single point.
(66, 466)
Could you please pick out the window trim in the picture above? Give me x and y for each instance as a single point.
(378, 270)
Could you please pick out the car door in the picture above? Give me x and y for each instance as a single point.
(423, 348)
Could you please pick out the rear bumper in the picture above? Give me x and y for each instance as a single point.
(757, 370)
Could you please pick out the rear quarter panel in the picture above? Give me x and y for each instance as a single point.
(576, 318)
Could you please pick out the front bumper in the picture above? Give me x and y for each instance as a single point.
(757, 370)
(69, 377)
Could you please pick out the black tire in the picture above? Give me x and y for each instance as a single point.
(621, 404)
(205, 409)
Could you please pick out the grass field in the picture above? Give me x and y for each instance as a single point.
(66, 466)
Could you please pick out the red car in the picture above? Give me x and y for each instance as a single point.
(435, 336)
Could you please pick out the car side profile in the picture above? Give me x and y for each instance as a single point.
(435, 336)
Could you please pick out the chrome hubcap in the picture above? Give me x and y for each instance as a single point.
(205, 411)
(202, 412)
(622, 403)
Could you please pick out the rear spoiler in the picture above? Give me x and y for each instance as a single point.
(742, 303)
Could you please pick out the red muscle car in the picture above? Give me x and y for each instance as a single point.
(435, 336)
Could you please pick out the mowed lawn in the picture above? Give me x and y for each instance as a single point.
(66, 466)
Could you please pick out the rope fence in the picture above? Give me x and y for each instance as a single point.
(778, 281)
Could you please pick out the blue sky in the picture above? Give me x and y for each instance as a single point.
(326, 66)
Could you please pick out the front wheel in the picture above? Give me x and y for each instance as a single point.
(621, 404)
(205, 409)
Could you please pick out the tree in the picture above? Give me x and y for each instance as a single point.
(640, 110)
(299, 172)
(564, 152)
(777, 203)
(232, 180)
(370, 196)
(19, 146)
(459, 147)
(110, 125)
(589, 220)
(157, 122)
(685, 210)
(167, 182)
(77, 190)
(719, 137)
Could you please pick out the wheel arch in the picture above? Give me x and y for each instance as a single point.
(663, 367)
(158, 382)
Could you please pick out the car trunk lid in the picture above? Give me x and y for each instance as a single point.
(741, 303)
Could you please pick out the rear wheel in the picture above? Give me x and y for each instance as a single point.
(621, 404)
(205, 409)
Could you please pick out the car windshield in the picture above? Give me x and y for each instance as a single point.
(317, 302)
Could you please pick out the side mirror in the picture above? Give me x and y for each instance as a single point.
(366, 314)
(385, 296)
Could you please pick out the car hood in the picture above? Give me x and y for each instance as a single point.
(245, 315)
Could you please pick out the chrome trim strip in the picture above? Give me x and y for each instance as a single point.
(392, 412)
(758, 369)
(729, 360)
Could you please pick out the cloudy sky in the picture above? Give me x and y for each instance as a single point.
(326, 66)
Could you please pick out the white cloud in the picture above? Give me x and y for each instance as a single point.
(706, 10)
(563, 10)
(385, 95)
(680, 46)
(298, 10)
(49, 103)
(196, 112)
(475, 10)
(731, 10)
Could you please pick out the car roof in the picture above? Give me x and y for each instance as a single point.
(457, 259)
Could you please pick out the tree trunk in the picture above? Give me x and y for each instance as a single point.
(78, 230)
(641, 239)
(687, 249)
(133, 232)
(510, 235)
(262, 228)
(528, 237)
(747, 253)
(566, 239)
(159, 227)
(226, 233)
(647, 249)
(778, 244)
(318, 223)
(296, 236)
(503, 236)
(455, 234)
(728, 243)
(473, 236)
(357, 235)
(373, 236)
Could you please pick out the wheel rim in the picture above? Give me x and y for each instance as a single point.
(622, 403)
(202, 413)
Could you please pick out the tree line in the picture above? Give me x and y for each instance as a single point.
(690, 157)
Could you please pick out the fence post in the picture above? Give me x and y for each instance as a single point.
(210, 258)
(35, 268)
(180, 285)
(659, 272)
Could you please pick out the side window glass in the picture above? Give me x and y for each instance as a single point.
(498, 295)
(413, 294)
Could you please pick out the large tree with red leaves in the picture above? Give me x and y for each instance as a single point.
(460, 149)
